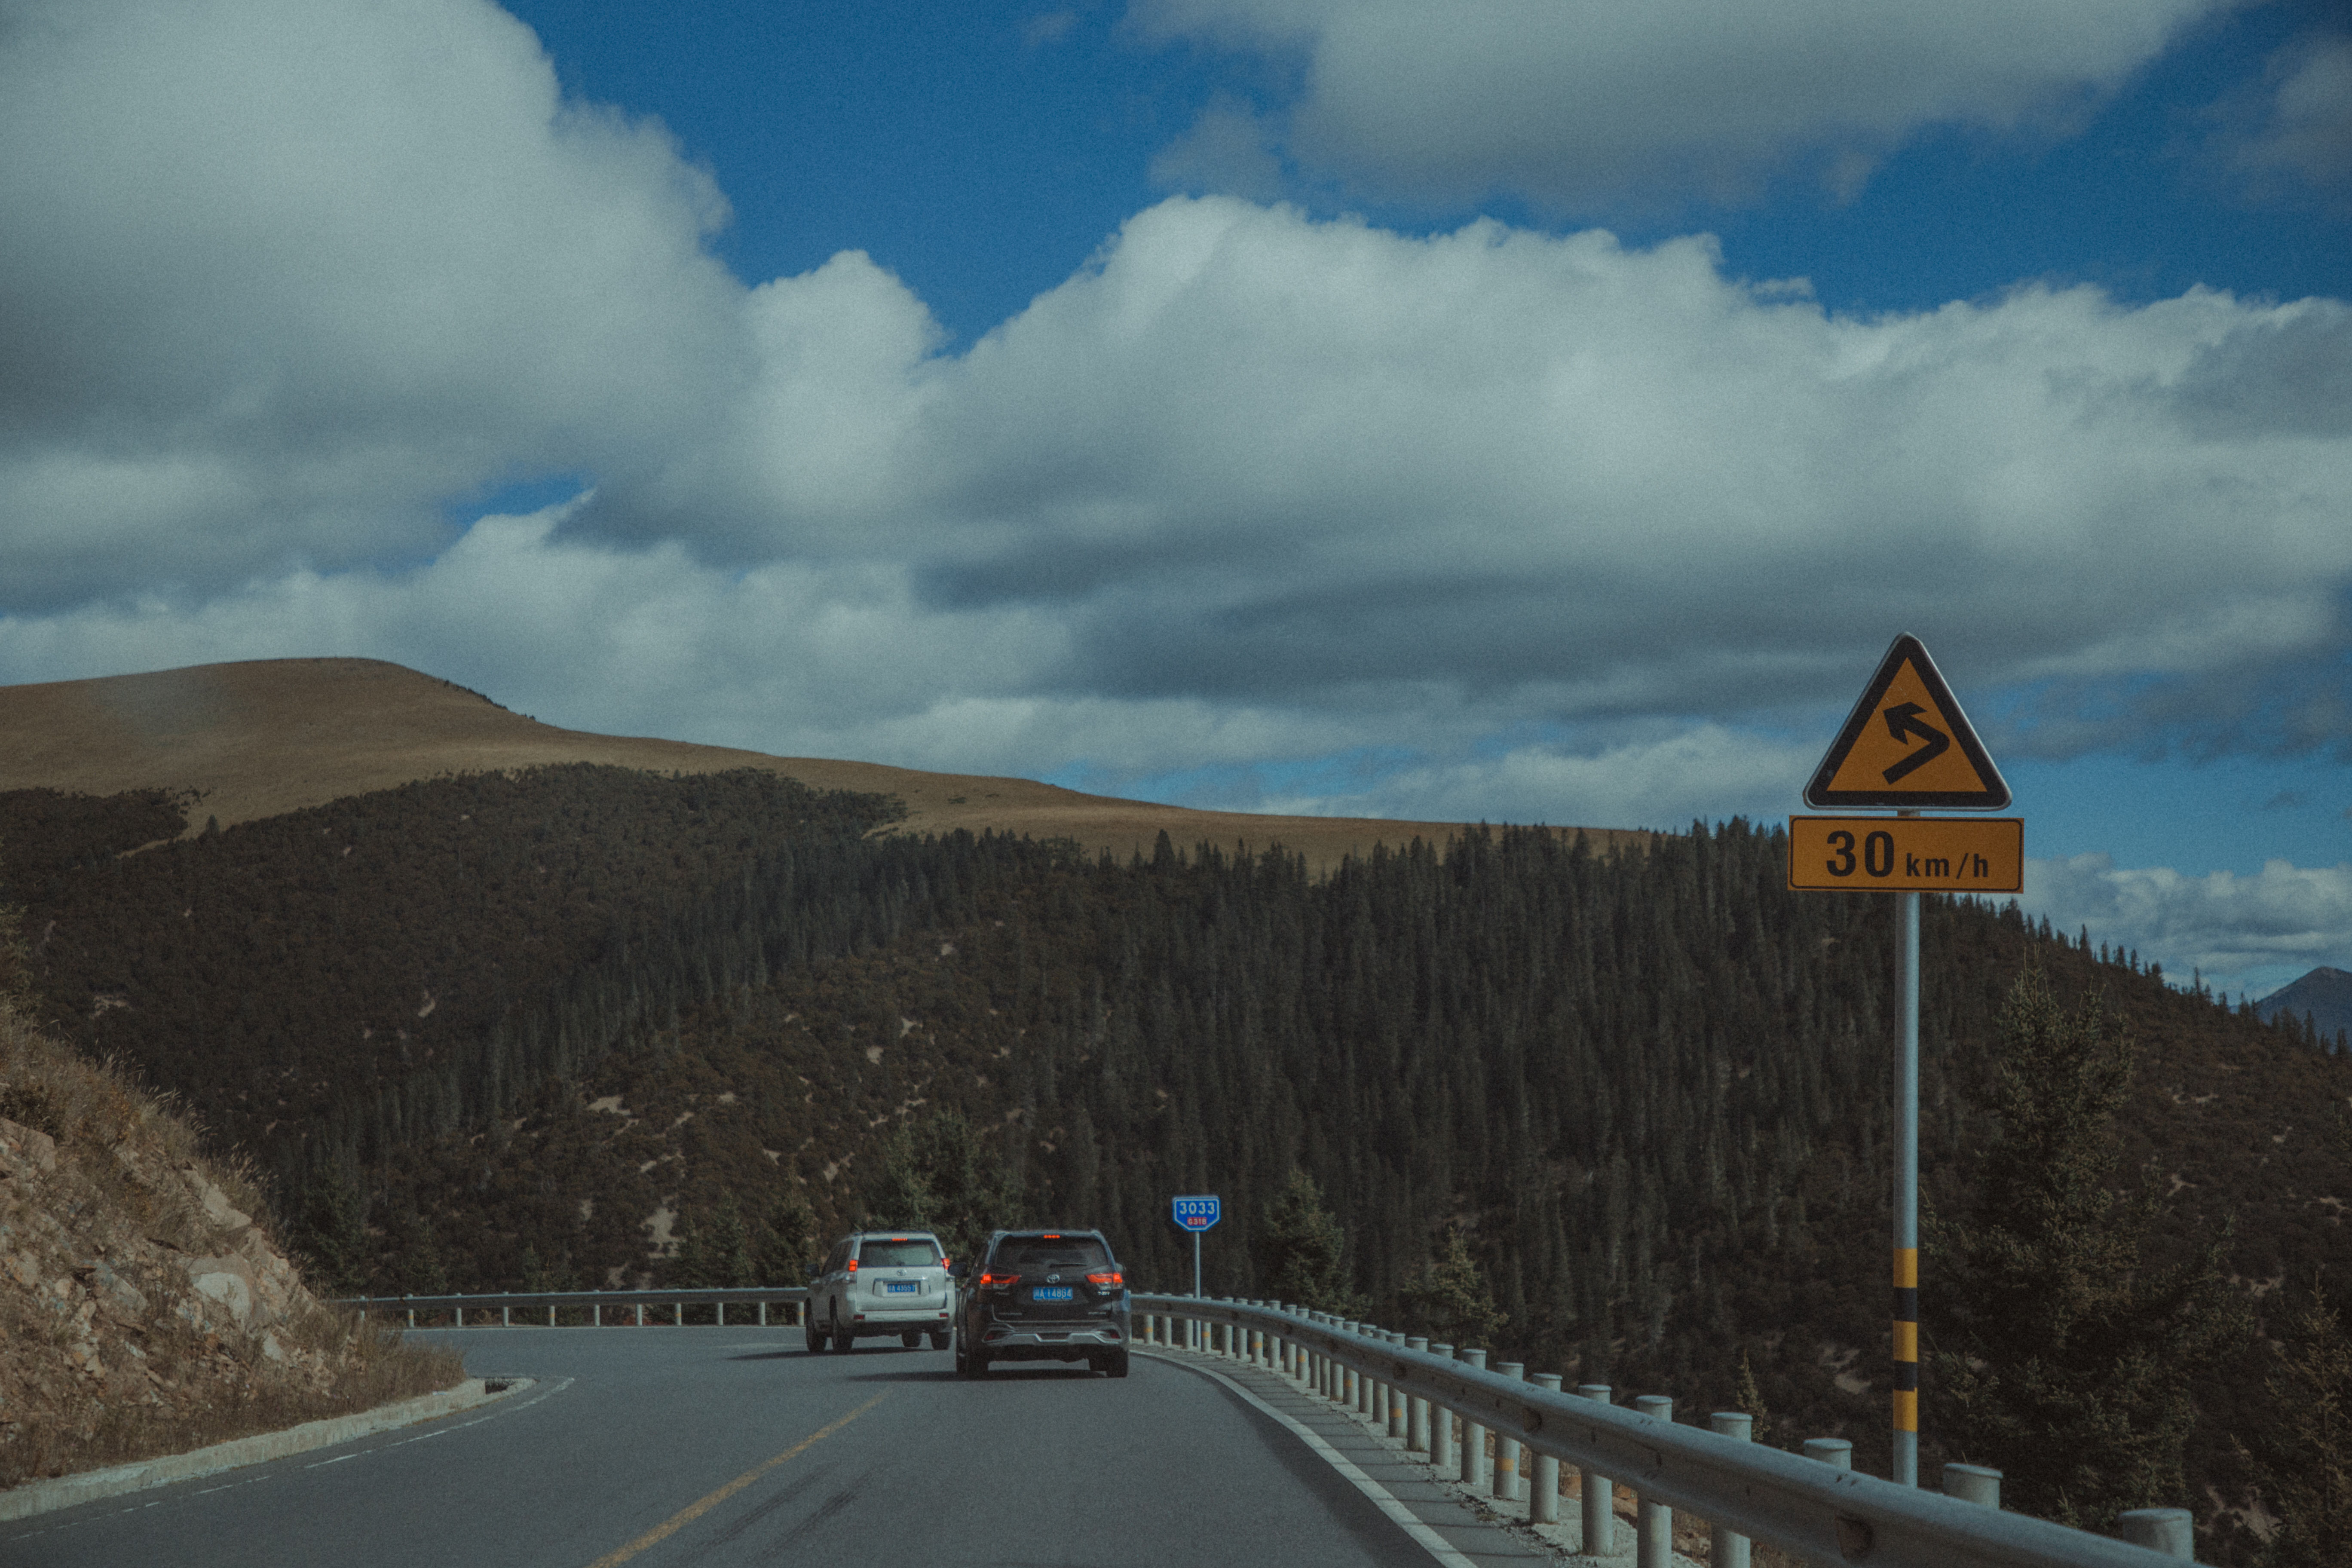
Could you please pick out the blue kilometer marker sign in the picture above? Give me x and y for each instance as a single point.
(1196, 1214)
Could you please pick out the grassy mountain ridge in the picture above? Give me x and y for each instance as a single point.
(263, 737)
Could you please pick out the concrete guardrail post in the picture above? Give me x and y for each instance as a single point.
(1730, 1549)
(641, 1314)
(1654, 1529)
(1400, 1408)
(1599, 1492)
(1442, 1457)
(1416, 1409)
(1473, 1473)
(1834, 1452)
(1368, 1387)
(2167, 1529)
(1507, 1449)
(1344, 1391)
(1543, 1486)
(1973, 1483)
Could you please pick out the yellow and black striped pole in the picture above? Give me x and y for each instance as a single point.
(1907, 1203)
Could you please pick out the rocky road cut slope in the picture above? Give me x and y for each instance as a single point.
(142, 1309)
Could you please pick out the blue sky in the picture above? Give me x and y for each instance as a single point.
(1523, 409)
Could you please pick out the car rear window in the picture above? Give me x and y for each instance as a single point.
(1026, 1252)
(914, 1252)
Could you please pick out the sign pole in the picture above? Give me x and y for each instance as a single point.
(1906, 745)
(1907, 1203)
(1195, 1214)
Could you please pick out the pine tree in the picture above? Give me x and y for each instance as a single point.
(727, 1249)
(787, 1242)
(2303, 1466)
(690, 1263)
(900, 1196)
(1448, 1298)
(2059, 1357)
(1301, 1252)
(329, 1232)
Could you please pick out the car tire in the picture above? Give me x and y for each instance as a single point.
(843, 1341)
(938, 1342)
(1115, 1363)
(912, 1341)
(977, 1361)
(814, 1340)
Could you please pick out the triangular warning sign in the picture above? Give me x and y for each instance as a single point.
(1907, 744)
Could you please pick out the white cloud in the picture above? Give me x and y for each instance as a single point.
(1706, 773)
(1248, 486)
(2302, 127)
(282, 274)
(1569, 101)
(2252, 932)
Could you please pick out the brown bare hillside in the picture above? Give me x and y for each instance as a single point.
(267, 736)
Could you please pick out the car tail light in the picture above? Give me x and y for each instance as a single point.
(853, 1265)
(1113, 1277)
(999, 1281)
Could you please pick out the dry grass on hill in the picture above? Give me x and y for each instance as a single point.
(274, 736)
(142, 1309)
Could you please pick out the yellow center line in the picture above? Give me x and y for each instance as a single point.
(695, 1511)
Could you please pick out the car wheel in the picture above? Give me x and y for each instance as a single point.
(1115, 1363)
(912, 1341)
(809, 1336)
(843, 1341)
(978, 1360)
(938, 1342)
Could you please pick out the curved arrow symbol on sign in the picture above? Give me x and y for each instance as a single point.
(1902, 720)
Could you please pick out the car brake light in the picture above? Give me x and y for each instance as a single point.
(853, 1265)
(1113, 1277)
(999, 1281)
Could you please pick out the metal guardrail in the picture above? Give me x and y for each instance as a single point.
(505, 1303)
(1826, 1514)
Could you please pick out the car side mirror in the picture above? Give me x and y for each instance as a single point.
(959, 1270)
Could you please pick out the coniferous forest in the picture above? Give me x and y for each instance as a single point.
(572, 1025)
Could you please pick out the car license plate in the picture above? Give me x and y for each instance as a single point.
(901, 1287)
(1051, 1293)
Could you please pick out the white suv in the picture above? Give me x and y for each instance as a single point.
(878, 1282)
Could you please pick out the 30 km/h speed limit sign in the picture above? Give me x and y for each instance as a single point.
(1907, 854)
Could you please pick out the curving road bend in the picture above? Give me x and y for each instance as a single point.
(663, 1448)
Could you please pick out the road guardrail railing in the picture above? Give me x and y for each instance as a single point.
(672, 1302)
(1815, 1508)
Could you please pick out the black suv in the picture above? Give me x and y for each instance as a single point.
(1043, 1295)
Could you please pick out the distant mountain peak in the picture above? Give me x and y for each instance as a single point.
(2325, 996)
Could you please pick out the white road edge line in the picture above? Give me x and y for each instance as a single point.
(1381, 1498)
(548, 1391)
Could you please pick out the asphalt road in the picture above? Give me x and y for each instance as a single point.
(661, 1447)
